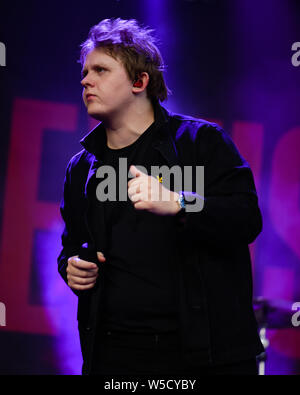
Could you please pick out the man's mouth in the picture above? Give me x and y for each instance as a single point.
(90, 97)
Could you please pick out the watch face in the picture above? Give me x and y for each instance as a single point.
(181, 201)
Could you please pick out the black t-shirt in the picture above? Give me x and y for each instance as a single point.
(140, 277)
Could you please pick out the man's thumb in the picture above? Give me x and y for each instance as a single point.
(135, 171)
(100, 256)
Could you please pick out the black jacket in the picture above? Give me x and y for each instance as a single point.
(216, 315)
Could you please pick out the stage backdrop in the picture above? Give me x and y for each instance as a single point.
(231, 61)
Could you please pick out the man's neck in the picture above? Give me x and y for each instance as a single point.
(130, 126)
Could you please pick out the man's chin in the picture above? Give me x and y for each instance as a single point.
(96, 115)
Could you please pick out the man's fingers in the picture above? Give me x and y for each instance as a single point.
(84, 273)
(137, 197)
(100, 256)
(81, 274)
(134, 182)
(141, 205)
(79, 287)
(81, 264)
(135, 188)
(74, 280)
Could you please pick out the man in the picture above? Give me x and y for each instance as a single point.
(162, 287)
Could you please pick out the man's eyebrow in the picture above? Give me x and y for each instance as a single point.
(94, 66)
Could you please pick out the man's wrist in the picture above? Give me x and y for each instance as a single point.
(174, 205)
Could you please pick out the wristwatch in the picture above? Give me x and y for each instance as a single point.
(181, 201)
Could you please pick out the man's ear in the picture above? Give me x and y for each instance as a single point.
(141, 83)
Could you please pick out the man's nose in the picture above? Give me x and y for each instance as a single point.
(86, 82)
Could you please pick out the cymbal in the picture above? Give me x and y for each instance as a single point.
(273, 314)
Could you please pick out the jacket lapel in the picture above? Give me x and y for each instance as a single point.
(92, 143)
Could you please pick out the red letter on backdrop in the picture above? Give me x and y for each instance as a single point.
(285, 191)
(248, 137)
(285, 216)
(22, 213)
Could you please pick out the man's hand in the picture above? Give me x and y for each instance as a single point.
(147, 193)
(82, 275)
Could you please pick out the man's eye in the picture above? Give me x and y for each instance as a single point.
(98, 69)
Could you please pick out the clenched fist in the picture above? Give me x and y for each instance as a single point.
(82, 275)
(147, 193)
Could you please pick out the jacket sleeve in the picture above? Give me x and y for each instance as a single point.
(230, 211)
(73, 225)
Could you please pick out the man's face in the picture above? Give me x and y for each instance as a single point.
(107, 89)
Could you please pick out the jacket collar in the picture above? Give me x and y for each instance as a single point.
(96, 138)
